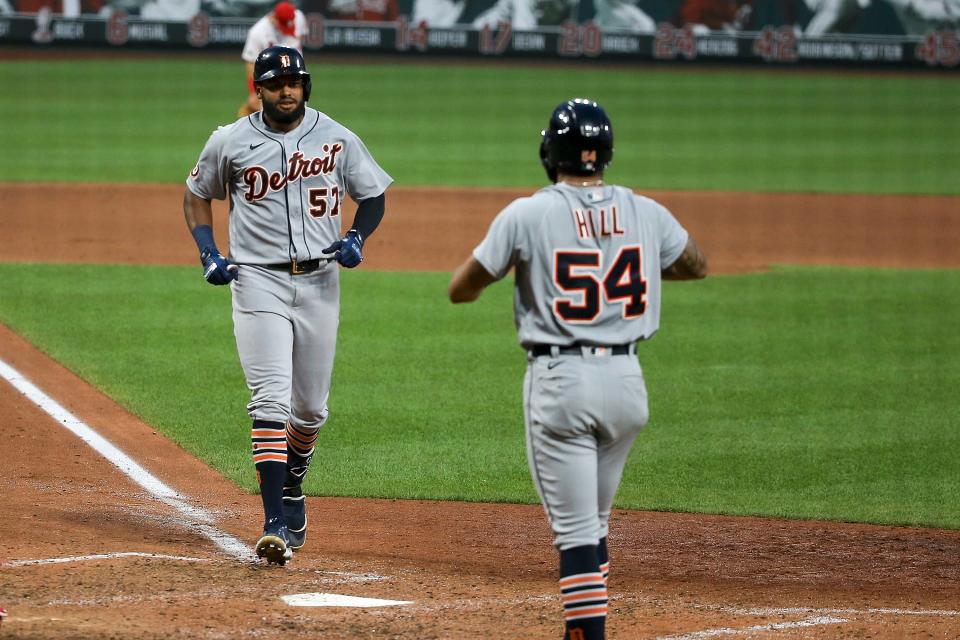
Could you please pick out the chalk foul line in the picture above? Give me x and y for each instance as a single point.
(821, 617)
(789, 611)
(338, 600)
(153, 485)
(774, 626)
(101, 556)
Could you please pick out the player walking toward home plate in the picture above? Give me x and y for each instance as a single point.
(589, 258)
(285, 169)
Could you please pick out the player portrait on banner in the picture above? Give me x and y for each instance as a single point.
(920, 16)
(65, 8)
(437, 13)
(519, 14)
(159, 10)
(915, 17)
(832, 16)
(527, 14)
(622, 15)
(706, 16)
(361, 10)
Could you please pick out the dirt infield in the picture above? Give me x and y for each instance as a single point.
(434, 229)
(132, 566)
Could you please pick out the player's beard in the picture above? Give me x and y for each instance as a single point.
(283, 117)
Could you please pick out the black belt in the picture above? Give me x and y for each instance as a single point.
(298, 268)
(538, 350)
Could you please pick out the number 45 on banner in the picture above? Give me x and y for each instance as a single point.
(939, 47)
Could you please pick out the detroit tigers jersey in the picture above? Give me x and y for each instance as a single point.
(588, 262)
(285, 188)
(265, 34)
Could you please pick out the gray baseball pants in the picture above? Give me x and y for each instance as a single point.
(582, 415)
(286, 331)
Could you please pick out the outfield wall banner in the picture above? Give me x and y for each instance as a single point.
(788, 32)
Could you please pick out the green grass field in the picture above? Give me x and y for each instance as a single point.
(146, 120)
(804, 392)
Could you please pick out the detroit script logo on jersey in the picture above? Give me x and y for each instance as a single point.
(259, 181)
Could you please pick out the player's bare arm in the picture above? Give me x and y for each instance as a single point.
(691, 265)
(196, 210)
(469, 281)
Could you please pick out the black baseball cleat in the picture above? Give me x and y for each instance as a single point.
(295, 514)
(274, 544)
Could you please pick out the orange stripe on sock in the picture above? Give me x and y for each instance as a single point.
(593, 612)
(580, 579)
(590, 594)
(300, 441)
(268, 457)
(303, 453)
(293, 432)
(303, 431)
(267, 433)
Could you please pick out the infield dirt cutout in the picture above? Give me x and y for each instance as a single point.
(134, 567)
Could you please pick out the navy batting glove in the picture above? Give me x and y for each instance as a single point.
(347, 251)
(217, 269)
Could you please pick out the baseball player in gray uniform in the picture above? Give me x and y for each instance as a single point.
(286, 169)
(588, 260)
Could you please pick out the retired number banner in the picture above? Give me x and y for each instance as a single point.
(919, 33)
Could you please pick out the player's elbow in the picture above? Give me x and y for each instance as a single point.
(699, 270)
(459, 293)
(685, 271)
(691, 265)
(468, 282)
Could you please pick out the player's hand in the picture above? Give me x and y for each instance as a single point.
(348, 250)
(217, 269)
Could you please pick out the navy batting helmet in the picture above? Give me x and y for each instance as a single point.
(578, 140)
(281, 61)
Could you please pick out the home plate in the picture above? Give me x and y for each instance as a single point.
(336, 600)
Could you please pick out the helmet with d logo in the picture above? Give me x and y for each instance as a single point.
(578, 140)
(281, 61)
